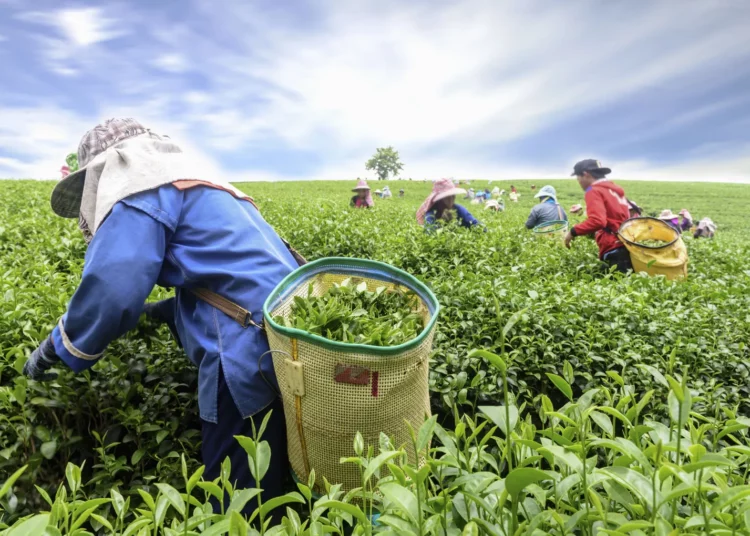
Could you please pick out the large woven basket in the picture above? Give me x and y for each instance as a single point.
(332, 390)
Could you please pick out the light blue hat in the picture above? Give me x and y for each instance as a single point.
(547, 191)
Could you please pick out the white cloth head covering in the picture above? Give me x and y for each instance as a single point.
(135, 165)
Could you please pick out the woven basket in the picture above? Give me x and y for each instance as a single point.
(332, 390)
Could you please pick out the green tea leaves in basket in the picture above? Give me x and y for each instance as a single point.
(349, 312)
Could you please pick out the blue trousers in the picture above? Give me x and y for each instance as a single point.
(219, 442)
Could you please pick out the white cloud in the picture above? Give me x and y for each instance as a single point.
(366, 73)
(173, 63)
(86, 26)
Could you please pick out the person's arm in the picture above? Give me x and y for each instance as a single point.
(533, 220)
(467, 220)
(121, 268)
(596, 215)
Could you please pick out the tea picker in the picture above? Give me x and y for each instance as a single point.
(547, 210)
(606, 209)
(440, 206)
(146, 225)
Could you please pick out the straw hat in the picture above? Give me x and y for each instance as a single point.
(361, 185)
(666, 214)
(441, 189)
(491, 204)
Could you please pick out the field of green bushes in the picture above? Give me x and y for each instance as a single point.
(566, 400)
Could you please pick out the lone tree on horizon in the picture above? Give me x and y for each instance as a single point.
(385, 162)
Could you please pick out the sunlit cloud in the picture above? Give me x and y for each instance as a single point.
(469, 88)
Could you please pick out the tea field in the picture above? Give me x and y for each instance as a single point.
(567, 400)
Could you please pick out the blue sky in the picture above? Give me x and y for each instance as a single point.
(285, 89)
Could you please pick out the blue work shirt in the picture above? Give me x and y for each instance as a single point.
(201, 237)
(462, 214)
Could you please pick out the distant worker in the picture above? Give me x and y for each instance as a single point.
(686, 220)
(533, 187)
(363, 197)
(706, 229)
(387, 193)
(494, 205)
(672, 219)
(401, 192)
(576, 209)
(440, 206)
(470, 194)
(635, 210)
(513, 195)
(495, 192)
(547, 210)
(606, 209)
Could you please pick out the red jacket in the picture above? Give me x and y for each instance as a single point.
(606, 209)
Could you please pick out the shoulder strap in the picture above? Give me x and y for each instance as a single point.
(237, 313)
(559, 212)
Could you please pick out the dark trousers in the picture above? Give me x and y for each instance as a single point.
(620, 258)
(219, 442)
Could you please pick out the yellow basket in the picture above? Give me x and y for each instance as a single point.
(669, 260)
(332, 390)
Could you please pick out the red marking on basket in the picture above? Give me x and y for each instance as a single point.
(352, 375)
(375, 376)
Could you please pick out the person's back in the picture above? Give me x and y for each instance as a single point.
(220, 243)
(606, 209)
(545, 212)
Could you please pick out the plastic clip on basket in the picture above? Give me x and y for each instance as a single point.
(552, 229)
(669, 258)
(332, 390)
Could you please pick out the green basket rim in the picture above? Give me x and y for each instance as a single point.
(563, 223)
(295, 333)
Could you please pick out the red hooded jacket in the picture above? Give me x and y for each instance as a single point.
(606, 209)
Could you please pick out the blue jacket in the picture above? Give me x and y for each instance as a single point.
(462, 213)
(199, 237)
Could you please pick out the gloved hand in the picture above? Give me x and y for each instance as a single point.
(163, 311)
(40, 361)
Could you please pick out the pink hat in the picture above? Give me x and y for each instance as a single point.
(576, 208)
(65, 170)
(361, 185)
(441, 189)
(684, 212)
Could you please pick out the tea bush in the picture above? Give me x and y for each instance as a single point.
(596, 441)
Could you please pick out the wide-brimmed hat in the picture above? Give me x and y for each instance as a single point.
(361, 185)
(667, 214)
(547, 191)
(491, 204)
(441, 189)
(66, 197)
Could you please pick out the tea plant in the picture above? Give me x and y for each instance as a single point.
(585, 346)
(350, 313)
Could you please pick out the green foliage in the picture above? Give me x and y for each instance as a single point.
(385, 162)
(348, 312)
(72, 161)
(561, 398)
